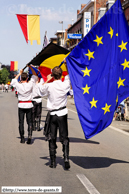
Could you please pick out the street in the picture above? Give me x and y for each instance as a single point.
(98, 165)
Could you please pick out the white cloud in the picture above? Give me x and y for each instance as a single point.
(55, 16)
(50, 14)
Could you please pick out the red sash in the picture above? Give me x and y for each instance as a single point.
(24, 101)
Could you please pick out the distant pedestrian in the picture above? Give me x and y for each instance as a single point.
(122, 110)
(6, 87)
(16, 92)
(3, 88)
(25, 102)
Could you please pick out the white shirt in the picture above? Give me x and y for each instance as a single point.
(24, 91)
(57, 95)
(6, 86)
(71, 92)
(36, 92)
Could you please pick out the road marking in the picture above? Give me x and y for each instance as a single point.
(119, 130)
(87, 184)
(124, 125)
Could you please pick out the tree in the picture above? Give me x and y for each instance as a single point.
(12, 74)
(4, 76)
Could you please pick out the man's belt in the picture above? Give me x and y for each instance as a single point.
(37, 97)
(58, 109)
(24, 101)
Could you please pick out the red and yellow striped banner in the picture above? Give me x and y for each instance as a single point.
(30, 25)
(14, 66)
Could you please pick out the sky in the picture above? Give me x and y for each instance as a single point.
(13, 46)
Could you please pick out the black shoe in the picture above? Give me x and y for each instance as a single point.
(52, 158)
(67, 165)
(66, 155)
(22, 140)
(29, 141)
(53, 164)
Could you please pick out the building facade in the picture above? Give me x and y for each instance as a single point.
(87, 16)
(125, 6)
(53, 40)
(60, 37)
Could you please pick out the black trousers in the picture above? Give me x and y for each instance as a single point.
(21, 114)
(55, 123)
(36, 111)
(6, 90)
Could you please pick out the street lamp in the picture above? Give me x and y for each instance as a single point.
(61, 22)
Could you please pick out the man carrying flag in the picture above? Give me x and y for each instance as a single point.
(99, 71)
(37, 106)
(56, 104)
(25, 102)
(37, 101)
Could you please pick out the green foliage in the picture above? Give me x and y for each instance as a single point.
(4, 76)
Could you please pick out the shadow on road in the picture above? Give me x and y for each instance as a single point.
(42, 121)
(39, 138)
(94, 162)
(87, 162)
(43, 116)
(72, 139)
(33, 139)
(59, 160)
(79, 140)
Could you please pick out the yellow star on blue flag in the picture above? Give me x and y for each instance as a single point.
(105, 53)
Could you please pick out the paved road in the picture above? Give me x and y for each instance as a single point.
(102, 161)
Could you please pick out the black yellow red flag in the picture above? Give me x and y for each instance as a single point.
(52, 55)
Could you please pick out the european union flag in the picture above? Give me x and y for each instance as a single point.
(99, 71)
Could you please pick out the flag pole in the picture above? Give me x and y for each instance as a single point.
(61, 64)
(25, 66)
(63, 61)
